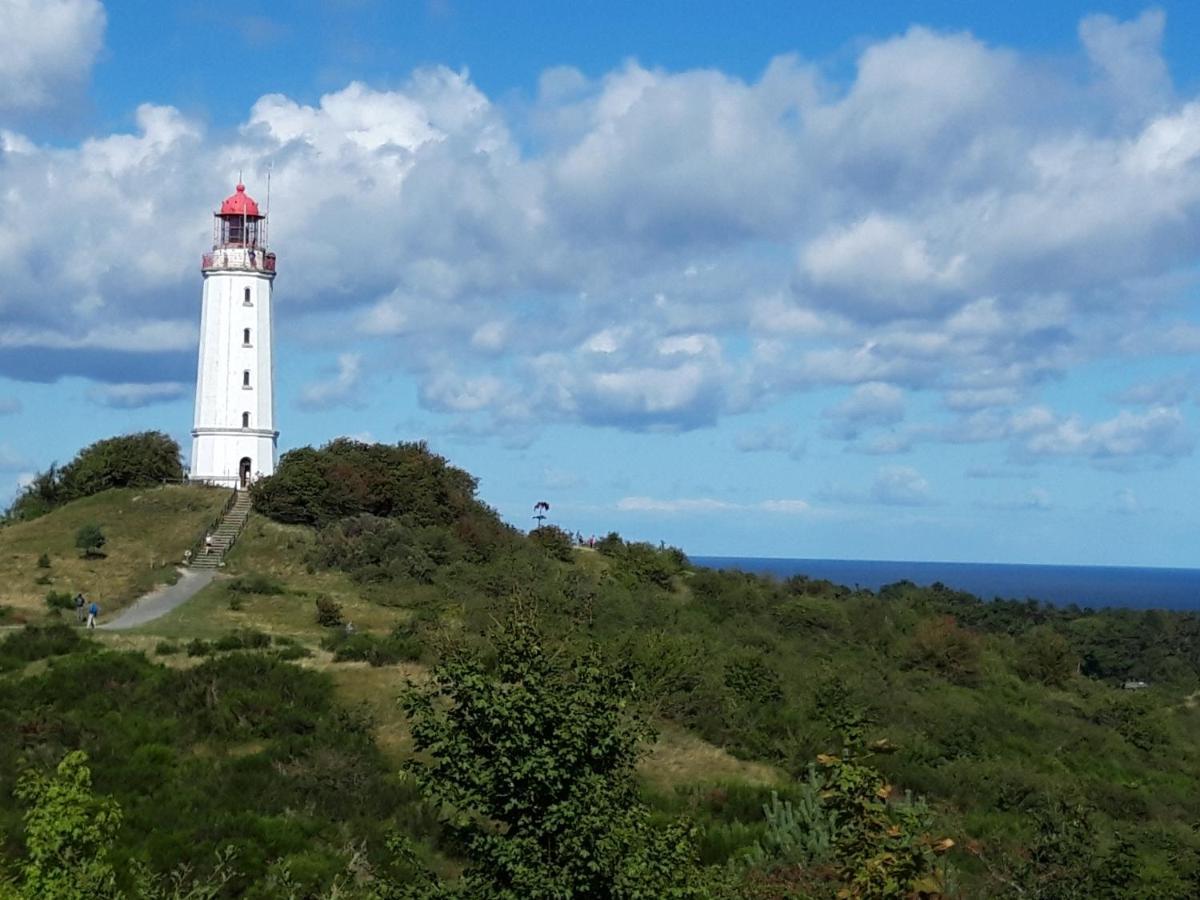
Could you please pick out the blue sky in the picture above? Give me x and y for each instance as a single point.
(903, 281)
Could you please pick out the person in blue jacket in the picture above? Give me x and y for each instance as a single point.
(93, 611)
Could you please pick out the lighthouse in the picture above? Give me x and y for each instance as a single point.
(233, 434)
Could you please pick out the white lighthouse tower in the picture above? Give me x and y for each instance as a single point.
(234, 436)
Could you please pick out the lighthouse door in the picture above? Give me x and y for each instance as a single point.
(244, 471)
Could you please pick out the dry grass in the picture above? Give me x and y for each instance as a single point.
(147, 529)
(678, 757)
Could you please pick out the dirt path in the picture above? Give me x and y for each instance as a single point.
(161, 600)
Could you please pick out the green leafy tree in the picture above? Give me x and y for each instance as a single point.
(90, 538)
(68, 834)
(130, 460)
(535, 756)
(1044, 655)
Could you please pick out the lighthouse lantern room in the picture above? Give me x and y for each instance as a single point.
(233, 435)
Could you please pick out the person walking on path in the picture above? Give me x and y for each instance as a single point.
(79, 604)
(93, 611)
(208, 543)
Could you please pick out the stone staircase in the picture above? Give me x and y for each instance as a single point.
(224, 534)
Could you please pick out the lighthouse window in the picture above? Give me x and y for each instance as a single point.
(246, 379)
(245, 420)
(246, 298)
(245, 337)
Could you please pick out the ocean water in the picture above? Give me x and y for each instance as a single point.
(1095, 586)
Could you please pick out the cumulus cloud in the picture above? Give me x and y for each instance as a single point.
(340, 387)
(46, 47)
(900, 486)
(770, 439)
(870, 404)
(135, 396)
(951, 217)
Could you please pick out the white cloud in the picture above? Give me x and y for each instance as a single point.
(46, 48)
(135, 396)
(674, 247)
(770, 439)
(871, 404)
(341, 387)
(708, 505)
(900, 486)
(1160, 431)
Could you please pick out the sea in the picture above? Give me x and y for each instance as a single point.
(1094, 586)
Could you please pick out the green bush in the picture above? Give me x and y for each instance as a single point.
(256, 583)
(166, 648)
(37, 642)
(399, 646)
(242, 639)
(329, 612)
(198, 647)
(132, 460)
(60, 600)
(43, 561)
(89, 539)
(554, 541)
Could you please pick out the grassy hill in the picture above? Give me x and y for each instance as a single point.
(147, 529)
(1007, 718)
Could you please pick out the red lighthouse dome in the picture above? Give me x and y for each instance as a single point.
(239, 203)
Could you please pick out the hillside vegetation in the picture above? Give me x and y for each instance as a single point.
(812, 740)
(146, 530)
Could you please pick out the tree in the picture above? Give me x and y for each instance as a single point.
(68, 834)
(535, 757)
(89, 538)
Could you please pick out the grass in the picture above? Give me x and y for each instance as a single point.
(147, 529)
(269, 551)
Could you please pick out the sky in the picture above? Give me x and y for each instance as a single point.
(887, 280)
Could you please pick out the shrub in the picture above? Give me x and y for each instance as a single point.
(348, 477)
(242, 639)
(43, 561)
(131, 460)
(197, 647)
(60, 600)
(166, 648)
(396, 647)
(554, 541)
(947, 648)
(255, 583)
(329, 613)
(89, 538)
(33, 643)
(1044, 655)
(293, 651)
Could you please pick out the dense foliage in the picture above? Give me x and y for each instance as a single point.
(131, 460)
(241, 752)
(347, 478)
(915, 741)
(534, 756)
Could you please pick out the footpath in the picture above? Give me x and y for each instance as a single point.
(161, 600)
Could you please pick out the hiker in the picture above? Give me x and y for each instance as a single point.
(93, 611)
(187, 557)
(208, 543)
(79, 604)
